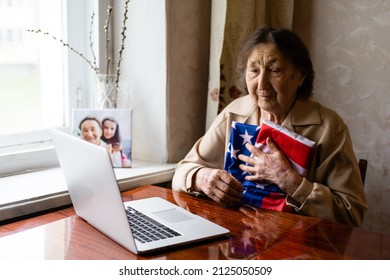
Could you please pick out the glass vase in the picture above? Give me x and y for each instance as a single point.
(111, 93)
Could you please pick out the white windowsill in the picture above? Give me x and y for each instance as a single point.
(43, 190)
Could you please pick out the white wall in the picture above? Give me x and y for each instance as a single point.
(350, 46)
(144, 65)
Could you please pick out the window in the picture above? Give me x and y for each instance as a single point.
(28, 98)
(38, 84)
(144, 63)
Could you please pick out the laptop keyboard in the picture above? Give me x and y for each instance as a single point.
(145, 229)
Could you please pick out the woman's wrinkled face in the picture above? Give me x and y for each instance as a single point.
(109, 128)
(272, 80)
(91, 131)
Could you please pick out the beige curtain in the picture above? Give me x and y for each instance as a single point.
(236, 20)
(203, 37)
(188, 44)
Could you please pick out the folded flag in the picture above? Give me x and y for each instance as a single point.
(296, 147)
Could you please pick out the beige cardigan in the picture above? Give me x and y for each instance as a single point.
(332, 190)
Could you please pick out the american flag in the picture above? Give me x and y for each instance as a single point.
(296, 147)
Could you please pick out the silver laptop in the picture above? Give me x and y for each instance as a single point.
(96, 198)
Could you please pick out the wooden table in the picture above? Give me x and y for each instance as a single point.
(254, 234)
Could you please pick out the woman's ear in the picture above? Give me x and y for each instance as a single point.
(301, 78)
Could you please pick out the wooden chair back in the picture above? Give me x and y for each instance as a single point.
(363, 169)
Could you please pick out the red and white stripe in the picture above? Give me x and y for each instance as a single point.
(296, 147)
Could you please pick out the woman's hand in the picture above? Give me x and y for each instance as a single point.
(272, 167)
(219, 185)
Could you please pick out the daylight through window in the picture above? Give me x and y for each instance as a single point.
(31, 67)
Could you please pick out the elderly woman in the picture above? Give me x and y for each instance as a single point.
(279, 77)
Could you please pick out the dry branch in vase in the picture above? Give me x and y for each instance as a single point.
(92, 62)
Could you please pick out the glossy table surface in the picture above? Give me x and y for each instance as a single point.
(254, 234)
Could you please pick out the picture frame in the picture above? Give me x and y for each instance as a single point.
(108, 128)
